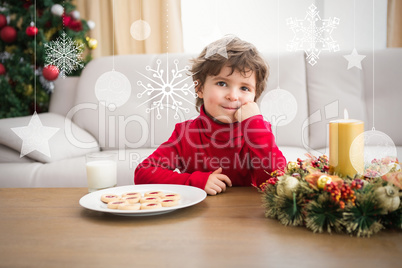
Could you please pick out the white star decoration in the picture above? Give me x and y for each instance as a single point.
(35, 136)
(219, 47)
(354, 59)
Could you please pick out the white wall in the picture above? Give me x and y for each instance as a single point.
(263, 22)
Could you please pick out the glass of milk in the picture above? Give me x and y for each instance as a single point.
(101, 170)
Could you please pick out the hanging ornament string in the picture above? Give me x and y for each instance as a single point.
(113, 36)
(354, 59)
(63, 18)
(277, 38)
(34, 68)
(167, 27)
(140, 9)
(167, 57)
(354, 23)
(373, 65)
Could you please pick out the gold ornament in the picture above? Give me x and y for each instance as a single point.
(394, 167)
(322, 181)
(10, 49)
(292, 165)
(92, 43)
(29, 51)
(28, 90)
(388, 197)
(49, 33)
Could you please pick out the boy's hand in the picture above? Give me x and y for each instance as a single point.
(247, 110)
(217, 182)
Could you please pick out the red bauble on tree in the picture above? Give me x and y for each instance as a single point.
(8, 34)
(3, 21)
(2, 69)
(50, 72)
(31, 30)
(71, 23)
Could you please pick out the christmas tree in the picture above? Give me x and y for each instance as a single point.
(30, 32)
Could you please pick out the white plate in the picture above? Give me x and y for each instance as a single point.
(189, 197)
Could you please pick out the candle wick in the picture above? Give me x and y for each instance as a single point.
(345, 114)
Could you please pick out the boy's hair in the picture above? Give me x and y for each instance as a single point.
(241, 56)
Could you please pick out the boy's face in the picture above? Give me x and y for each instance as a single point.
(225, 93)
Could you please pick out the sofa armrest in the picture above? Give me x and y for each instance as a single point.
(9, 155)
(69, 140)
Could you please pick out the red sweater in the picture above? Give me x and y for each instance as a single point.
(198, 147)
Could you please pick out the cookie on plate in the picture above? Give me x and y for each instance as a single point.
(172, 196)
(127, 206)
(167, 202)
(150, 199)
(155, 193)
(106, 198)
(136, 194)
(115, 204)
(151, 205)
(131, 199)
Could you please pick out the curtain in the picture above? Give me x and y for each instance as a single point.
(163, 17)
(394, 24)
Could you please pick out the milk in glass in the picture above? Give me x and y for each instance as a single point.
(101, 171)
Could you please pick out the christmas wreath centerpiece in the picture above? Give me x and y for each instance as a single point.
(305, 194)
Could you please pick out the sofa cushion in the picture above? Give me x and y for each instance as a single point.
(128, 161)
(69, 141)
(63, 97)
(292, 79)
(68, 172)
(331, 89)
(292, 153)
(18, 175)
(387, 91)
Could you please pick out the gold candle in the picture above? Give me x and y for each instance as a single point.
(342, 133)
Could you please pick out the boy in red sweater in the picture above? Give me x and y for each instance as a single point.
(229, 143)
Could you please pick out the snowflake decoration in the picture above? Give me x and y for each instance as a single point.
(65, 54)
(313, 34)
(168, 90)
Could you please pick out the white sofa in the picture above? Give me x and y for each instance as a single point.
(321, 91)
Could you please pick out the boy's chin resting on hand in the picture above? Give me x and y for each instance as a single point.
(246, 111)
(217, 182)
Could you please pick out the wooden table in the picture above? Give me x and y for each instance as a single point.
(48, 228)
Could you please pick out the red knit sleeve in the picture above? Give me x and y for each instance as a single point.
(159, 166)
(265, 155)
